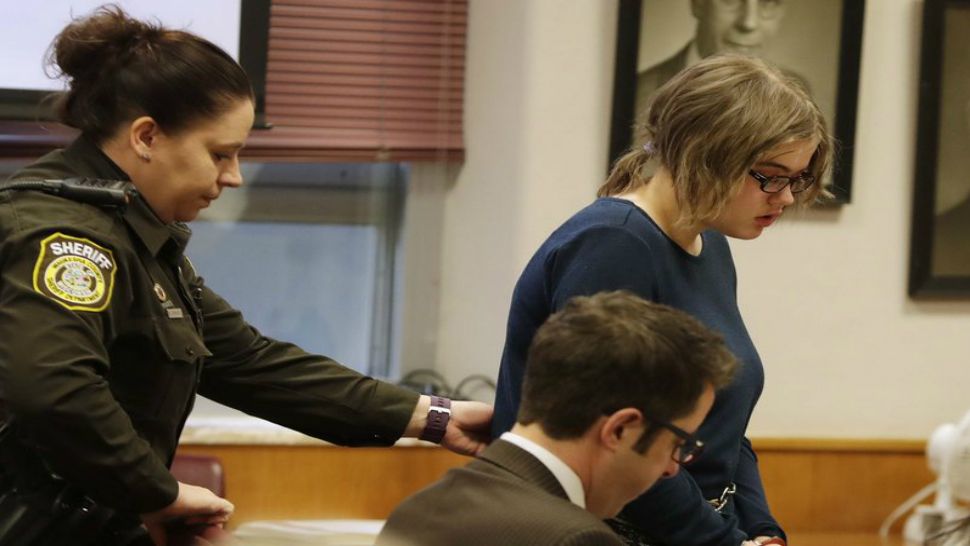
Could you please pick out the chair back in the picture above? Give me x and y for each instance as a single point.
(201, 470)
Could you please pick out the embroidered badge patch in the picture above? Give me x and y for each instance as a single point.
(77, 273)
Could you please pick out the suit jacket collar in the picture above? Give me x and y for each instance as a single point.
(523, 464)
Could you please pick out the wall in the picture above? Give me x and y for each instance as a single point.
(847, 353)
(537, 93)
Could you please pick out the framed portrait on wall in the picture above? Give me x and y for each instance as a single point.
(940, 245)
(816, 42)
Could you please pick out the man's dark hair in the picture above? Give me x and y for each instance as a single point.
(615, 350)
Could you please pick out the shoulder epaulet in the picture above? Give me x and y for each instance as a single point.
(94, 191)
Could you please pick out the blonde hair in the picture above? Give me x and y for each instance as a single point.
(711, 122)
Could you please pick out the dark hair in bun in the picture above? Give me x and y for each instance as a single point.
(119, 68)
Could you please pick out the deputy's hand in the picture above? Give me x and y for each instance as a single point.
(195, 505)
(469, 425)
(469, 429)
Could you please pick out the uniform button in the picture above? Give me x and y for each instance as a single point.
(189, 351)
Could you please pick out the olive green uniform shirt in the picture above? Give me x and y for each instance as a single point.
(107, 333)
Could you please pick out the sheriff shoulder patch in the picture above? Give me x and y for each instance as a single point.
(76, 273)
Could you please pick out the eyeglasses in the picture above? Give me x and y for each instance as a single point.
(775, 184)
(687, 452)
(768, 9)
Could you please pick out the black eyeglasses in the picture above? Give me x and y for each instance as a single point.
(690, 450)
(775, 184)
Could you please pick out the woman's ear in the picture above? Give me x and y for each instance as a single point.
(143, 133)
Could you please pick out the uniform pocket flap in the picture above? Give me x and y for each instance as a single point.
(180, 341)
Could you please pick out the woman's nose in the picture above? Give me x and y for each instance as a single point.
(231, 176)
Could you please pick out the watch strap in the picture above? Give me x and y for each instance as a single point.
(439, 413)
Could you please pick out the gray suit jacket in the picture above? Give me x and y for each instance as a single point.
(506, 497)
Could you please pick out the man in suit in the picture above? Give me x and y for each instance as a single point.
(614, 388)
(739, 26)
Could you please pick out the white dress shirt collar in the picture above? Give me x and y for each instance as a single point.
(567, 478)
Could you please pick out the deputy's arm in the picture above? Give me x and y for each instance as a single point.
(313, 394)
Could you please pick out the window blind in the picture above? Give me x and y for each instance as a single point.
(347, 80)
(364, 80)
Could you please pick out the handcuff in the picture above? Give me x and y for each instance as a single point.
(719, 503)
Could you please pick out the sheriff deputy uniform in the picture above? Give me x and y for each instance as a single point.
(107, 333)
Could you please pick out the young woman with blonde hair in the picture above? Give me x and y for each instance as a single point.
(724, 149)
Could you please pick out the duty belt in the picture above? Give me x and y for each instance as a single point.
(38, 508)
(719, 503)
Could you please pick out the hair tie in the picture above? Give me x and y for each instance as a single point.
(649, 148)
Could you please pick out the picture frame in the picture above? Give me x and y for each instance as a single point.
(655, 38)
(940, 234)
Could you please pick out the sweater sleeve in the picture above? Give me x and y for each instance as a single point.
(674, 512)
(601, 259)
(750, 501)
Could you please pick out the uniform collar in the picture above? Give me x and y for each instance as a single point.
(90, 160)
(87, 159)
(155, 234)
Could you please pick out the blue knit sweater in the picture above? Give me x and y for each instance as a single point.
(613, 245)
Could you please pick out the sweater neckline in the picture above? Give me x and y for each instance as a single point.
(705, 239)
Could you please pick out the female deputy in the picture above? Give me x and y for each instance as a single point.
(733, 143)
(107, 332)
